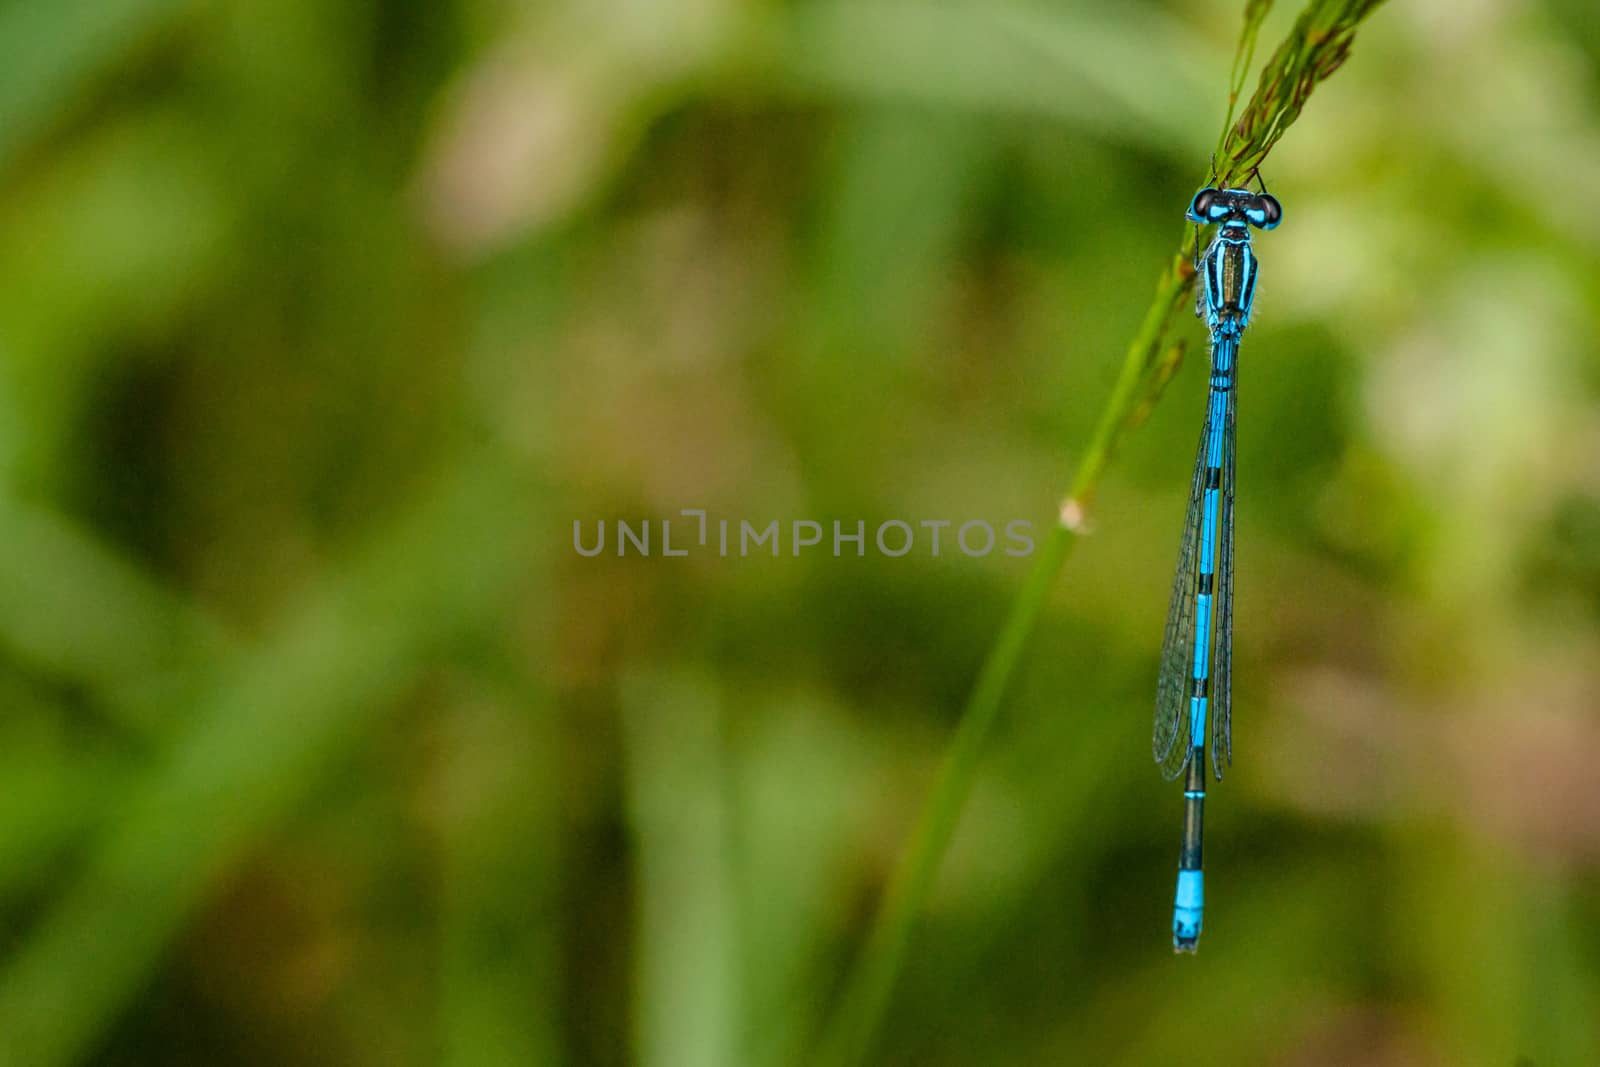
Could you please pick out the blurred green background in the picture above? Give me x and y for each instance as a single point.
(321, 323)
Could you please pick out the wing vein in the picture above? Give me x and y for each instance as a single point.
(1177, 648)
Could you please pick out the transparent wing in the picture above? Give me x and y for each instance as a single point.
(1170, 738)
(1222, 694)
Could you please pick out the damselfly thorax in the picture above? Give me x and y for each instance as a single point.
(1228, 278)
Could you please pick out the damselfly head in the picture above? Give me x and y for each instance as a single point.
(1260, 210)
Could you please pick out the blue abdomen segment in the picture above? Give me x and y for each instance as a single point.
(1188, 908)
(1202, 625)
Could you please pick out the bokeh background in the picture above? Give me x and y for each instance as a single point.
(321, 323)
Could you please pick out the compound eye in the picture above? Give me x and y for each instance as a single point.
(1266, 212)
(1202, 207)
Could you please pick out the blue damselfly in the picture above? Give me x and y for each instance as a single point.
(1196, 667)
